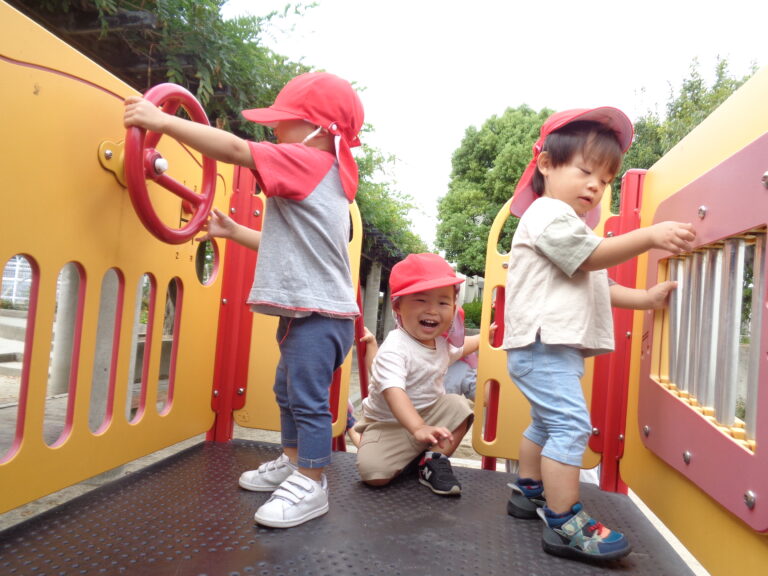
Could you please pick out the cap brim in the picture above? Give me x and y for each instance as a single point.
(268, 116)
(428, 285)
(614, 118)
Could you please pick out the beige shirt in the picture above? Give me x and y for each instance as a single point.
(546, 293)
(403, 362)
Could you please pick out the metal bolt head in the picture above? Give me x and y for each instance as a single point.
(765, 179)
(687, 456)
(609, 234)
(750, 499)
(215, 393)
(240, 391)
(257, 213)
(233, 210)
(703, 212)
(223, 300)
(595, 431)
(646, 431)
(621, 437)
(108, 154)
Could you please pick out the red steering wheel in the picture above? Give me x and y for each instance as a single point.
(143, 162)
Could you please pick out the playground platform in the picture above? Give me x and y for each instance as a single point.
(185, 515)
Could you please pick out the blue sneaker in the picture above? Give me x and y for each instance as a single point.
(581, 536)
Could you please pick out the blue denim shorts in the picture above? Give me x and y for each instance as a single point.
(549, 376)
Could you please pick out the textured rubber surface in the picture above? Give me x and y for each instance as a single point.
(187, 516)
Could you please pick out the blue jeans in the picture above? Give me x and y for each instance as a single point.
(311, 349)
(549, 376)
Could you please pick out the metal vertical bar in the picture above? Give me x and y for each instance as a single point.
(681, 378)
(674, 315)
(753, 373)
(709, 324)
(730, 324)
(694, 333)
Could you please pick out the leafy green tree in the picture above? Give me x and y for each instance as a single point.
(226, 64)
(486, 168)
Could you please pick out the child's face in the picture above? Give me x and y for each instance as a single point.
(579, 183)
(427, 315)
(292, 131)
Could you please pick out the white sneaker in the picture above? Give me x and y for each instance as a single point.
(268, 476)
(297, 500)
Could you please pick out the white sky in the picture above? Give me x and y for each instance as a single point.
(430, 69)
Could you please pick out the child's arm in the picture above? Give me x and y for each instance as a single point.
(402, 408)
(472, 343)
(220, 225)
(675, 237)
(209, 141)
(371, 347)
(636, 299)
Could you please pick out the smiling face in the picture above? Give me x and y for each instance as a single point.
(427, 315)
(579, 183)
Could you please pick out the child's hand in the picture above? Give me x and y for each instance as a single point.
(142, 113)
(368, 336)
(492, 332)
(433, 435)
(675, 237)
(658, 294)
(219, 225)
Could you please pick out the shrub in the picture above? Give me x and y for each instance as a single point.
(472, 312)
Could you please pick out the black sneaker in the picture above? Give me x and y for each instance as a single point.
(436, 473)
(521, 506)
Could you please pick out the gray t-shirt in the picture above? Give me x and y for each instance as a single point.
(303, 261)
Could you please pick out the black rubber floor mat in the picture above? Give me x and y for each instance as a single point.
(187, 516)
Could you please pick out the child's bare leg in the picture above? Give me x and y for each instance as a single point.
(448, 448)
(561, 485)
(530, 460)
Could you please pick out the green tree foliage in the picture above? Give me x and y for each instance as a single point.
(226, 64)
(490, 161)
(485, 169)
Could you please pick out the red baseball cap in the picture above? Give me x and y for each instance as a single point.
(327, 101)
(419, 273)
(613, 118)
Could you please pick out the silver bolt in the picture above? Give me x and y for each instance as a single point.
(595, 431)
(621, 437)
(240, 391)
(108, 154)
(215, 393)
(703, 212)
(687, 456)
(647, 431)
(257, 213)
(233, 210)
(629, 334)
(505, 265)
(765, 179)
(223, 300)
(609, 234)
(750, 499)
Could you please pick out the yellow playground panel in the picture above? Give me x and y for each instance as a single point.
(121, 327)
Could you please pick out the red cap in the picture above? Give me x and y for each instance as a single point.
(327, 101)
(419, 273)
(613, 118)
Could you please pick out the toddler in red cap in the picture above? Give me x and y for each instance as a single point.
(303, 273)
(558, 311)
(407, 415)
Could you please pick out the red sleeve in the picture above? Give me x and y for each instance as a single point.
(290, 171)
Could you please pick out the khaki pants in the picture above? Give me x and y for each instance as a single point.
(386, 447)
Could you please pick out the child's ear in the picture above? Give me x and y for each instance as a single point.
(544, 162)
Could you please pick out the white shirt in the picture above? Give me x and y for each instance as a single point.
(403, 362)
(546, 293)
